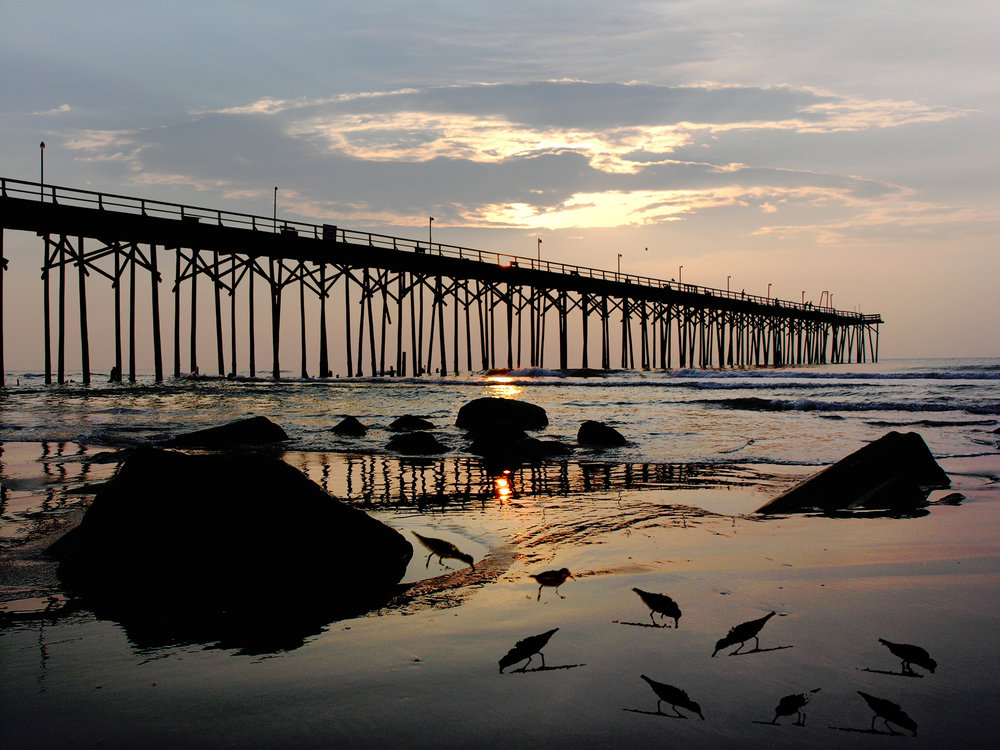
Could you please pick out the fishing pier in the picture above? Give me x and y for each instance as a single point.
(400, 306)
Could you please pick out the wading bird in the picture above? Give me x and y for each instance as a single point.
(742, 633)
(890, 712)
(659, 604)
(674, 696)
(554, 578)
(443, 549)
(910, 655)
(525, 649)
(793, 704)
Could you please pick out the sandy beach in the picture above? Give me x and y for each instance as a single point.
(423, 671)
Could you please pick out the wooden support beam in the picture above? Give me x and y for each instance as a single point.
(84, 334)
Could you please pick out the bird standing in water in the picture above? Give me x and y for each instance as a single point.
(674, 696)
(890, 712)
(443, 549)
(554, 578)
(660, 604)
(910, 655)
(525, 649)
(742, 633)
(793, 704)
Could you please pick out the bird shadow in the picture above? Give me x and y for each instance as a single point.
(888, 672)
(654, 713)
(776, 724)
(642, 624)
(543, 668)
(758, 650)
(868, 731)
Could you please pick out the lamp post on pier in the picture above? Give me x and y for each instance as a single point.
(430, 232)
(769, 290)
(727, 283)
(619, 266)
(41, 170)
(680, 278)
(538, 251)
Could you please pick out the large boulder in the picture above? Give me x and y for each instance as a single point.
(419, 443)
(350, 427)
(251, 431)
(410, 423)
(217, 547)
(485, 412)
(895, 471)
(599, 434)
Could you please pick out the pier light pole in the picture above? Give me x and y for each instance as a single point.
(41, 170)
(619, 266)
(538, 250)
(769, 290)
(803, 296)
(680, 279)
(274, 215)
(727, 283)
(430, 232)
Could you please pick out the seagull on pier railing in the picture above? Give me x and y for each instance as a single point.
(742, 633)
(659, 604)
(910, 655)
(443, 549)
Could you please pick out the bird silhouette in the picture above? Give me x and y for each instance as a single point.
(910, 655)
(742, 633)
(661, 604)
(793, 704)
(674, 696)
(890, 712)
(526, 649)
(554, 578)
(443, 549)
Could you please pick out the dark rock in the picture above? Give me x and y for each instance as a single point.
(242, 549)
(350, 427)
(418, 443)
(488, 411)
(516, 450)
(894, 470)
(250, 431)
(952, 498)
(495, 437)
(410, 423)
(598, 433)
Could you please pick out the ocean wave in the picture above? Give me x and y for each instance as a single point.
(959, 373)
(753, 403)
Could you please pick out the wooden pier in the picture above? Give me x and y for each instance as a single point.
(408, 307)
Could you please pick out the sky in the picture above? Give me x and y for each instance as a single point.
(845, 147)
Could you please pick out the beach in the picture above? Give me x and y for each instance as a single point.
(672, 512)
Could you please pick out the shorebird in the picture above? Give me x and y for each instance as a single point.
(443, 549)
(742, 633)
(910, 654)
(674, 696)
(661, 604)
(525, 649)
(793, 704)
(890, 712)
(551, 578)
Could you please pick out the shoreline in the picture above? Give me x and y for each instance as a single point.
(429, 659)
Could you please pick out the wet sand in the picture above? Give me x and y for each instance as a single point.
(423, 671)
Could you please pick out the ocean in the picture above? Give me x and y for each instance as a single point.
(670, 512)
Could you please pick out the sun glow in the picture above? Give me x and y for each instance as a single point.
(502, 386)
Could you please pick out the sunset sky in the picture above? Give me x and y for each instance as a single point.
(848, 147)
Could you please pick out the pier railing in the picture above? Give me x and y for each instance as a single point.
(164, 209)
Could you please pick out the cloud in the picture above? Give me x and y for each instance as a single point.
(60, 110)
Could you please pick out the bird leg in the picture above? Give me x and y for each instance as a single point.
(653, 619)
(802, 720)
(428, 563)
(543, 658)
(775, 719)
(738, 649)
(539, 597)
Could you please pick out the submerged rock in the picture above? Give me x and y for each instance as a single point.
(243, 548)
(895, 471)
(417, 443)
(250, 431)
(350, 427)
(598, 433)
(488, 411)
(410, 423)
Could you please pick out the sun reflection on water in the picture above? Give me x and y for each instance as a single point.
(502, 386)
(501, 487)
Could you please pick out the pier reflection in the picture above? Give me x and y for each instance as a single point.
(454, 482)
